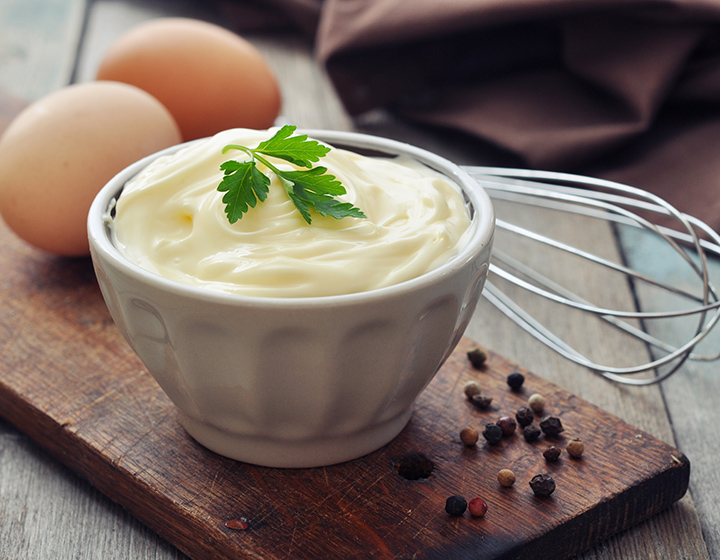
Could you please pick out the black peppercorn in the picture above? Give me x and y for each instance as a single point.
(455, 506)
(542, 485)
(481, 401)
(515, 380)
(551, 426)
(492, 433)
(552, 453)
(477, 357)
(531, 433)
(524, 416)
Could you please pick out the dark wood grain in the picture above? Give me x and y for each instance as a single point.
(70, 382)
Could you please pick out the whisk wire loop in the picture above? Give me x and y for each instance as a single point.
(617, 204)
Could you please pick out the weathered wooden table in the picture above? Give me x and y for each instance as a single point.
(46, 511)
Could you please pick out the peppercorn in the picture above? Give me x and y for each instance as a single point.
(542, 485)
(481, 401)
(471, 389)
(477, 507)
(515, 380)
(531, 433)
(492, 433)
(551, 426)
(552, 453)
(524, 416)
(575, 448)
(506, 478)
(477, 357)
(469, 436)
(455, 506)
(537, 402)
(507, 425)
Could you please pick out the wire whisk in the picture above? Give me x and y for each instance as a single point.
(621, 205)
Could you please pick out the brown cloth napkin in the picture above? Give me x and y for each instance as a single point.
(628, 91)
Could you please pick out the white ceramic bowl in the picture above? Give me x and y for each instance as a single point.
(297, 382)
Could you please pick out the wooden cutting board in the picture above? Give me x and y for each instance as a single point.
(70, 382)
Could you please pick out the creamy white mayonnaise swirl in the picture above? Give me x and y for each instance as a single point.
(170, 220)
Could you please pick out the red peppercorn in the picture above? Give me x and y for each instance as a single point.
(477, 507)
(507, 425)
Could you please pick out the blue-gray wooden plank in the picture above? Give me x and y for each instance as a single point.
(38, 44)
(45, 510)
(692, 393)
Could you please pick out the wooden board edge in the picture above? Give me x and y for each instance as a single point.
(636, 504)
(208, 539)
(160, 515)
(617, 513)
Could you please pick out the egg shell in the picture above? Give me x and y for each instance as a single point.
(61, 150)
(210, 78)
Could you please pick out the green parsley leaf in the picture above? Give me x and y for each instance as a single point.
(314, 189)
(295, 149)
(244, 184)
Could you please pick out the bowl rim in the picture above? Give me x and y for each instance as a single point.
(102, 247)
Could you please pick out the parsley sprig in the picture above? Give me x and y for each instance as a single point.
(244, 184)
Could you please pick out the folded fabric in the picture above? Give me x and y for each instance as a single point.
(628, 91)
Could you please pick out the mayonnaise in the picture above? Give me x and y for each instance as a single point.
(170, 220)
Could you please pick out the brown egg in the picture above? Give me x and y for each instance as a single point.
(60, 151)
(209, 78)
